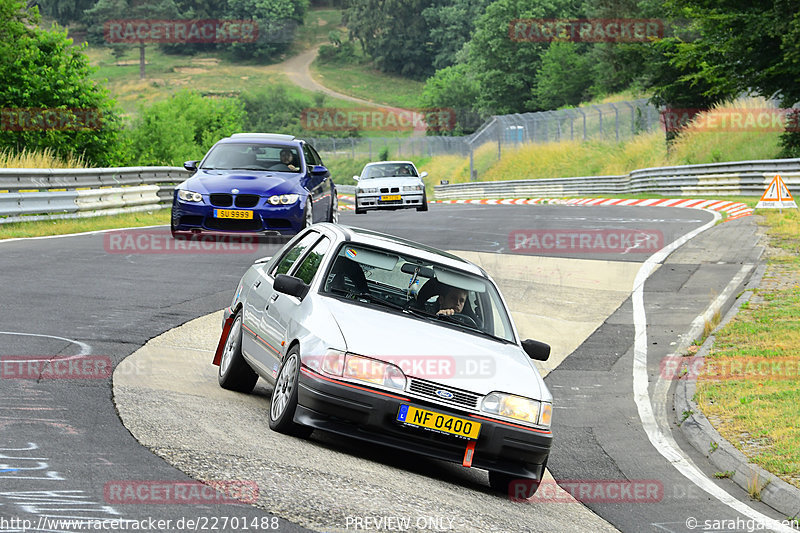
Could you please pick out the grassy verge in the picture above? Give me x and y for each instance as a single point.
(78, 225)
(757, 408)
(362, 81)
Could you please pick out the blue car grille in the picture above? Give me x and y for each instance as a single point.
(232, 224)
(221, 200)
(246, 200)
(459, 397)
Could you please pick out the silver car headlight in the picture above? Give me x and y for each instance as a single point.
(283, 199)
(365, 369)
(190, 196)
(410, 188)
(518, 408)
(368, 190)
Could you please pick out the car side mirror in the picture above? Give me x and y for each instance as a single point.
(538, 351)
(191, 166)
(423, 174)
(318, 170)
(355, 178)
(290, 285)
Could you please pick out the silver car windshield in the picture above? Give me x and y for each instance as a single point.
(408, 284)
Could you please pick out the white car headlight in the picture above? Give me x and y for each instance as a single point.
(351, 366)
(518, 408)
(283, 199)
(190, 196)
(368, 190)
(410, 188)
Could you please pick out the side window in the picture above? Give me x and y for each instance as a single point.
(316, 155)
(310, 159)
(309, 266)
(293, 253)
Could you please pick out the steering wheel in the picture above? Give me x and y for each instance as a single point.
(463, 319)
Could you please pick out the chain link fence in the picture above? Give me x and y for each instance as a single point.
(611, 121)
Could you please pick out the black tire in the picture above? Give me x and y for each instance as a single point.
(234, 372)
(424, 206)
(513, 487)
(308, 214)
(283, 404)
(333, 216)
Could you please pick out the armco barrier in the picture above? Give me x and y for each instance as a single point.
(25, 179)
(742, 178)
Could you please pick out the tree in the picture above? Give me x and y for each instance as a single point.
(276, 19)
(106, 11)
(451, 25)
(183, 128)
(47, 97)
(742, 48)
(64, 11)
(564, 77)
(505, 68)
(393, 34)
(453, 88)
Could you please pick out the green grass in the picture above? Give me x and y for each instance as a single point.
(756, 406)
(363, 81)
(318, 24)
(41, 228)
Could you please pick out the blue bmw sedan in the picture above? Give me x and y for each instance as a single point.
(254, 183)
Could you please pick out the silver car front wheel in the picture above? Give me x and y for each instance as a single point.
(284, 398)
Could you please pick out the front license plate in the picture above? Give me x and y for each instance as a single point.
(451, 425)
(390, 197)
(233, 213)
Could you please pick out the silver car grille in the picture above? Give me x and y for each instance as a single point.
(428, 389)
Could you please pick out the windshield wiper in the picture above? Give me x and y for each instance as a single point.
(365, 296)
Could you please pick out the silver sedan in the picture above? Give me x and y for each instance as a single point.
(392, 342)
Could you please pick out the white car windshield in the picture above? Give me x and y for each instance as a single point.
(389, 170)
(421, 288)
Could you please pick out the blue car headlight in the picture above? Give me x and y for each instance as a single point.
(283, 199)
(190, 196)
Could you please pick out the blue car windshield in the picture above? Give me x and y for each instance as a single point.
(252, 156)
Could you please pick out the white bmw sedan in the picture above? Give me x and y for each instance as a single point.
(390, 185)
(393, 342)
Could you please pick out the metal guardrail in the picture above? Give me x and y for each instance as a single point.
(741, 178)
(147, 188)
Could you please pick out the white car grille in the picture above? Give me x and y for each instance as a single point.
(457, 397)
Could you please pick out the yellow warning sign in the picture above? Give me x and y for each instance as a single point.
(776, 196)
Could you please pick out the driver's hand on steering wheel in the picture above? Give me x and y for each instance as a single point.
(446, 312)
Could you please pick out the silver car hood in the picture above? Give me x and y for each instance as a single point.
(427, 350)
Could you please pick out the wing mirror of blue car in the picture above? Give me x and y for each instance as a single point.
(191, 166)
(318, 170)
(538, 351)
(290, 285)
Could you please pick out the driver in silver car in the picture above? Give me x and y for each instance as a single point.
(451, 300)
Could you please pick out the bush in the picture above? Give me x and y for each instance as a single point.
(49, 100)
(182, 128)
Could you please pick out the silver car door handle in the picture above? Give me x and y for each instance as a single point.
(257, 284)
(274, 297)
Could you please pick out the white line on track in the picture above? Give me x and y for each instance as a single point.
(666, 446)
(85, 348)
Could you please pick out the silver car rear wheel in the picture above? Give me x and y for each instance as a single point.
(234, 373)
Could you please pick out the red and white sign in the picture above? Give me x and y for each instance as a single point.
(777, 196)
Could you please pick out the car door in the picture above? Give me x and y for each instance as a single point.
(283, 311)
(319, 185)
(258, 340)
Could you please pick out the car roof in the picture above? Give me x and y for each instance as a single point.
(265, 136)
(401, 245)
(387, 163)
